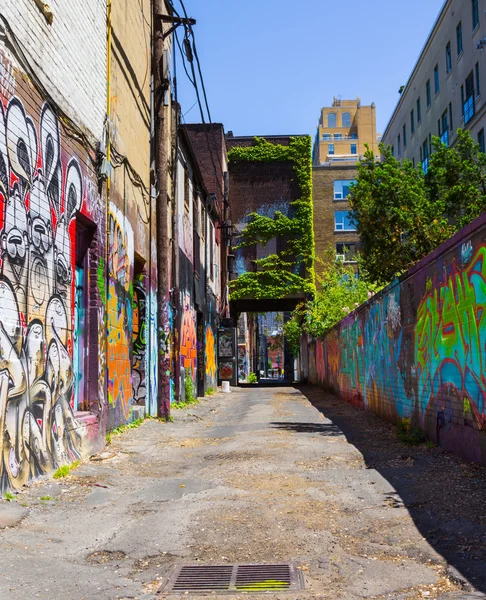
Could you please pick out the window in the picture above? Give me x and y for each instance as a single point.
(211, 250)
(354, 136)
(450, 116)
(459, 38)
(478, 89)
(399, 145)
(444, 128)
(342, 187)
(338, 136)
(346, 119)
(436, 79)
(448, 57)
(481, 140)
(186, 191)
(331, 120)
(346, 251)
(419, 110)
(330, 149)
(326, 136)
(412, 122)
(427, 92)
(354, 149)
(424, 155)
(393, 150)
(404, 136)
(475, 14)
(468, 100)
(342, 221)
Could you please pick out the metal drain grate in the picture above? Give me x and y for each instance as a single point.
(223, 579)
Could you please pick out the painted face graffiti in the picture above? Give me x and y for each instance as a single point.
(39, 196)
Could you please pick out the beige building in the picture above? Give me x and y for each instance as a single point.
(443, 92)
(344, 129)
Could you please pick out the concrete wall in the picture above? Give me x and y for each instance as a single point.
(416, 352)
(52, 222)
(68, 56)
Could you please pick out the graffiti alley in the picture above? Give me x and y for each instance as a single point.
(275, 473)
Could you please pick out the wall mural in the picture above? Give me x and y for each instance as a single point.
(119, 317)
(41, 188)
(139, 337)
(188, 347)
(417, 352)
(242, 363)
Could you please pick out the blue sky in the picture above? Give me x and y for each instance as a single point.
(270, 65)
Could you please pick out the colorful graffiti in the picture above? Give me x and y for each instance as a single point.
(119, 317)
(450, 340)
(188, 347)
(40, 191)
(210, 354)
(242, 363)
(417, 351)
(139, 337)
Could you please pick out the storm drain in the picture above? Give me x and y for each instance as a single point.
(222, 579)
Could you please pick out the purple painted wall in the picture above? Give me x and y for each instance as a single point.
(416, 352)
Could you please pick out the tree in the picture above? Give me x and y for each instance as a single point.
(397, 220)
(340, 291)
(457, 176)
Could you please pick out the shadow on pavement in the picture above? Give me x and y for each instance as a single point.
(445, 496)
(321, 428)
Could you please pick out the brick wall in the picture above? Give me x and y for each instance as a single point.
(416, 352)
(69, 56)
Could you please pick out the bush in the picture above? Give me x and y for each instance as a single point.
(252, 378)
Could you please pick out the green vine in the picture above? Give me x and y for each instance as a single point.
(279, 275)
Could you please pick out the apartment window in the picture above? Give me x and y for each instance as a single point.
(481, 140)
(342, 187)
(186, 191)
(354, 136)
(346, 119)
(326, 136)
(354, 149)
(427, 92)
(424, 155)
(338, 136)
(331, 120)
(330, 149)
(430, 144)
(448, 53)
(459, 38)
(444, 128)
(468, 100)
(478, 89)
(419, 110)
(475, 14)
(393, 150)
(211, 250)
(342, 221)
(346, 251)
(399, 145)
(404, 136)
(412, 122)
(436, 79)
(450, 116)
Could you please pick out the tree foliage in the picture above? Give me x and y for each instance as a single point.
(401, 214)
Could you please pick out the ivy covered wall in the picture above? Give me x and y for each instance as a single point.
(271, 207)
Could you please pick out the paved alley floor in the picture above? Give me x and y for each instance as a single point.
(258, 475)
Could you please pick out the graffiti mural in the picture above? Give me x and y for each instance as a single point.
(119, 317)
(139, 337)
(242, 363)
(188, 347)
(210, 348)
(450, 340)
(40, 191)
(416, 352)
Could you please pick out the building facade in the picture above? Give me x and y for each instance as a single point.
(344, 129)
(443, 92)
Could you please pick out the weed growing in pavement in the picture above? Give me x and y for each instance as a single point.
(46, 498)
(410, 435)
(65, 470)
(209, 392)
(190, 397)
(122, 429)
(429, 444)
(9, 496)
(252, 378)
